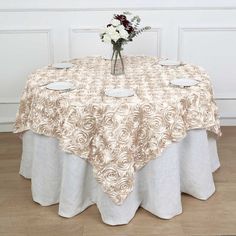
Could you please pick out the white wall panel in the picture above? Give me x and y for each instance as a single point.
(22, 51)
(214, 49)
(86, 42)
(149, 43)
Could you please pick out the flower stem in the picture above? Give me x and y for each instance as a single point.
(116, 56)
(122, 63)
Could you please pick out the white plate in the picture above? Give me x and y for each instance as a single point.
(169, 63)
(119, 92)
(65, 65)
(60, 86)
(184, 82)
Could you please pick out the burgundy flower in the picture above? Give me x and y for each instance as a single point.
(128, 26)
(125, 23)
(129, 29)
(120, 17)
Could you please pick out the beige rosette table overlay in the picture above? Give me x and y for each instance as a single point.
(117, 136)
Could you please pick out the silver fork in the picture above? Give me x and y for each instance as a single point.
(68, 90)
(41, 85)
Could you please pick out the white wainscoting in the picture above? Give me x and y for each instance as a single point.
(17, 47)
(33, 35)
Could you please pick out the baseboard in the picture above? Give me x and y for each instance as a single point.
(6, 127)
(227, 121)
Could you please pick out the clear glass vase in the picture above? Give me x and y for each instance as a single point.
(117, 63)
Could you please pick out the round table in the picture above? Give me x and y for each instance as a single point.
(83, 147)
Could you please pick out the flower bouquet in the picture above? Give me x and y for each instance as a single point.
(120, 31)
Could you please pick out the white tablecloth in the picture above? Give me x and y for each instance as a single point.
(59, 177)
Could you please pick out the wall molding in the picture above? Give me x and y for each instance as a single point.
(183, 29)
(77, 30)
(86, 9)
(9, 100)
(225, 98)
(8, 120)
(47, 31)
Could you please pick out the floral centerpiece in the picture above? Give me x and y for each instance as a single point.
(120, 31)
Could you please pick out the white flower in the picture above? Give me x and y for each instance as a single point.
(110, 29)
(120, 27)
(115, 22)
(115, 36)
(112, 32)
(124, 34)
(106, 38)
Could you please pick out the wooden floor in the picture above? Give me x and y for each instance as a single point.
(20, 216)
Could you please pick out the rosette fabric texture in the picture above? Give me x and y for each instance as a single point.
(117, 136)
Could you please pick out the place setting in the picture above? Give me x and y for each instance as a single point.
(184, 82)
(61, 85)
(170, 63)
(119, 92)
(62, 65)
